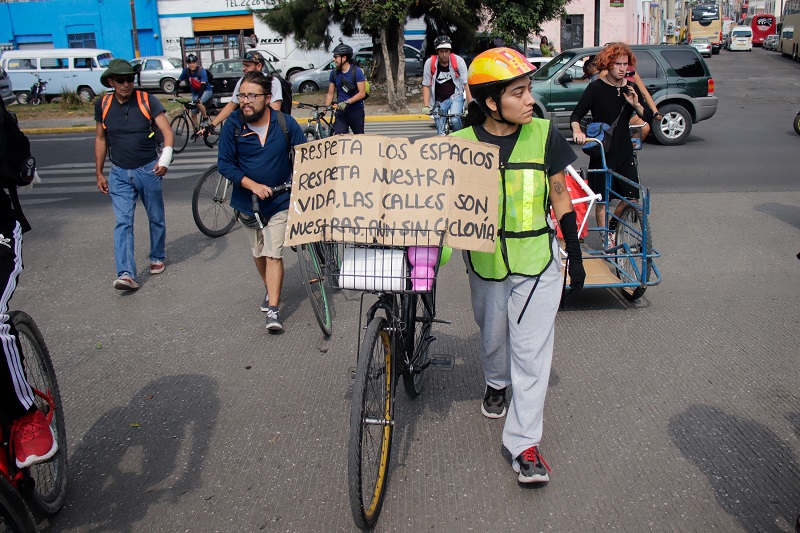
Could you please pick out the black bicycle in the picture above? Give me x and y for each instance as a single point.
(396, 341)
(183, 128)
(437, 112)
(318, 126)
(42, 486)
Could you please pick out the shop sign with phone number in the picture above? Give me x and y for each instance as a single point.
(253, 4)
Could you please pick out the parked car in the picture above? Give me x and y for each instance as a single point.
(312, 80)
(771, 42)
(702, 45)
(677, 78)
(540, 61)
(6, 91)
(227, 73)
(741, 39)
(64, 69)
(286, 67)
(414, 59)
(159, 72)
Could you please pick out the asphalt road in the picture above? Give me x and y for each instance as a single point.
(679, 412)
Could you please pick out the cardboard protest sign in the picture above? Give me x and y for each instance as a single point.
(375, 189)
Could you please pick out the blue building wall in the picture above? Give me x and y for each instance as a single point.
(51, 21)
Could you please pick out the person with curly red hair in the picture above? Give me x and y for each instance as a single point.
(609, 99)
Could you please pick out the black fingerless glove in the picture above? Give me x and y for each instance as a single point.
(569, 228)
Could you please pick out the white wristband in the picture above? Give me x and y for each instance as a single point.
(166, 157)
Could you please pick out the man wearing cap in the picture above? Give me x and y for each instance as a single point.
(251, 62)
(444, 83)
(127, 126)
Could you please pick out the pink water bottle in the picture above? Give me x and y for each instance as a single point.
(423, 260)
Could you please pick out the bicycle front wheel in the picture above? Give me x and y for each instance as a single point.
(49, 478)
(180, 129)
(210, 204)
(15, 517)
(371, 425)
(211, 138)
(417, 319)
(630, 231)
(314, 281)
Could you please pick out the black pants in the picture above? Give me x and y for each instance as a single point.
(627, 168)
(351, 118)
(16, 396)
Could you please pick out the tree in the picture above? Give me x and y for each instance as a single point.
(385, 20)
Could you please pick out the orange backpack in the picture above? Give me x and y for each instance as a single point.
(144, 107)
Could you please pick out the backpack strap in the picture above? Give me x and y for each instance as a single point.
(285, 129)
(106, 105)
(435, 62)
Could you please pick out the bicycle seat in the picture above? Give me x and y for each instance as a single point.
(190, 105)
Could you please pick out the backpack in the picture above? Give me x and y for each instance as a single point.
(351, 86)
(286, 91)
(144, 107)
(435, 63)
(210, 77)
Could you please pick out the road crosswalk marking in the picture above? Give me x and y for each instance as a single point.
(79, 178)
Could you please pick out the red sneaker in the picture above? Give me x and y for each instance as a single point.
(32, 439)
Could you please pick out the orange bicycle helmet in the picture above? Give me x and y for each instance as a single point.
(498, 65)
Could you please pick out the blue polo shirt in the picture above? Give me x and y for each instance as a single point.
(243, 155)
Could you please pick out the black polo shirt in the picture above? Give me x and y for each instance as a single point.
(128, 131)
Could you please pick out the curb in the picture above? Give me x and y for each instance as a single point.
(89, 129)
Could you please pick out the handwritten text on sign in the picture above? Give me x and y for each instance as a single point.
(374, 185)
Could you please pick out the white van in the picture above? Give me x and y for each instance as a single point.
(72, 69)
(741, 38)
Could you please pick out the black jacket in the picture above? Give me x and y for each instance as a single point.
(14, 149)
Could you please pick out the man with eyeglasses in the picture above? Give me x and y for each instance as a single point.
(126, 130)
(254, 153)
(251, 62)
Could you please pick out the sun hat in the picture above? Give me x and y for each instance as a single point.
(118, 67)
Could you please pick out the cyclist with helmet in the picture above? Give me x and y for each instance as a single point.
(347, 86)
(444, 82)
(197, 80)
(516, 290)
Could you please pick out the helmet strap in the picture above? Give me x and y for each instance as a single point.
(489, 113)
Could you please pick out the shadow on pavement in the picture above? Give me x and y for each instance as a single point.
(783, 212)
(752, 471)
(149, 451)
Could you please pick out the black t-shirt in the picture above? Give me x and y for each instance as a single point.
(128, 131)
(445, 86)
(14, 149)
(557, 153)
(606, 103)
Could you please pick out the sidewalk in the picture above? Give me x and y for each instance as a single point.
(374, 113)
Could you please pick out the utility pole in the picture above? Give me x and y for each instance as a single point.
(135, 32)
(597, 22)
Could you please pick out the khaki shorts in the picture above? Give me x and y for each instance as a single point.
(268, 242)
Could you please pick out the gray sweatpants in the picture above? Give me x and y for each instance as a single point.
(518, 352)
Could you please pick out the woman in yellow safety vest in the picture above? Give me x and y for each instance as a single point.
(516, 290)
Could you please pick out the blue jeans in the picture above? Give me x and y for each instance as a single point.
(124, 186)
(455, 106)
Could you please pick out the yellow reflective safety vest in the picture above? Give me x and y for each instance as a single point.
(524, 239)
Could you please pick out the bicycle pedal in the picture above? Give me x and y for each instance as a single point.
(442, 362)
(441, 321)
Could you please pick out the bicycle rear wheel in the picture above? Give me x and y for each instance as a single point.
(310, 267)
(15, 517)
(49, 478)
(371, 425)
(311, 134)
(210, 209)
(417, 318)
(632, 236)
(180, 129)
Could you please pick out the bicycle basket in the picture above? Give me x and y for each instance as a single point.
(394, 261)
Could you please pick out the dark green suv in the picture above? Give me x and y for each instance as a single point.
(677, 78)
